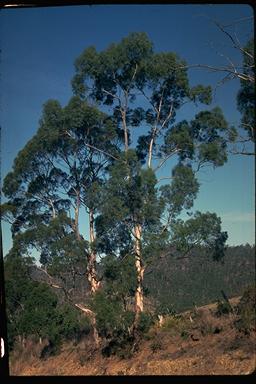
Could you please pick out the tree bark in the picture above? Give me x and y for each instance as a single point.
(150, 151)
(139, 297)
(77, 208)
(126, 143)
(53, 209)
(91, 261)
(91, 314)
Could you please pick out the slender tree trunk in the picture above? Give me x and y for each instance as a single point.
(91, 314)
(53, 209)
(152, 140)
(126, 142)
(139, 297)
(150, 152)
(91, 262)
(77, 209)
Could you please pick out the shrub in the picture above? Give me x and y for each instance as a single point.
(156, 345)
(223, 308)
(176, 325)
(145, 322)
(246, 312)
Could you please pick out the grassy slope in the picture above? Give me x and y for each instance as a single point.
(162, 352)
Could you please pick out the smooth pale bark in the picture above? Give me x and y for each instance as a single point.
(150, 151)
(77, 209)
(91, 261)
(126, 143)
(139, 298)
(53, 209)
(91, 314)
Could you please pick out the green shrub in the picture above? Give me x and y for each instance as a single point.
(166, 309)
(156, 345)
(246, 312)
(223, 308)
(145, 322)
(176, 325)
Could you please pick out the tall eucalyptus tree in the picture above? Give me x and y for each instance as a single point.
(59, 171)
(146, 90)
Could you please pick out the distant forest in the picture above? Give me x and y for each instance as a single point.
(177, 284)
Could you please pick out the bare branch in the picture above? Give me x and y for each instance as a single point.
(85, 310)
(165, 159)
(238, 46)
(111, 94)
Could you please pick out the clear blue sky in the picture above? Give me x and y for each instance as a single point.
(40, 45)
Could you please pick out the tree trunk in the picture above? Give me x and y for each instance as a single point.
(140, 272)
(76, 225)
(53, 209)
(150, 152)
(126, 143)
(91, 314)
(91, 262)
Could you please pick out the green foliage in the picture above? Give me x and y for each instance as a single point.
(182, 191)
(120, 276)
(128, 196)
(33, 309)
(156, 345)
(247, 311)
(110, 315)
(201, 229)
(176, 325)
(165, 308)
(201, 94)
(145, 322)
(75, 162)
(177, 284)
(223, 308)
(113, 323)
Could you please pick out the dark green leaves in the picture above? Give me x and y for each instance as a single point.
(202, 229)
(201, 94)
(182, 191)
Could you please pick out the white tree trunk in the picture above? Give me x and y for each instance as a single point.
(140, 273)
(77, 208)
(91, 262)
(150, 151)
(91, 314)
(126, 143)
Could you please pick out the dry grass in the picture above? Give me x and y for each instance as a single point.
(164, 351)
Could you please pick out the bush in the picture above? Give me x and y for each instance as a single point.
(111, 318)
(145, 322)
(223, 308)
(246, 312)
(176, 325)
(113, 324)
(166, 309)
(156, 345)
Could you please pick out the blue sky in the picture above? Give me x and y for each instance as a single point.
(39, 47)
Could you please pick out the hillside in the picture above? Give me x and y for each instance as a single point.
(163, 351)
(179, 284)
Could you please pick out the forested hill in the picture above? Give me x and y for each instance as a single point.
(179, 284)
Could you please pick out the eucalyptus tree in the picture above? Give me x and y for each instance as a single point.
(58, 171)
(145, 90)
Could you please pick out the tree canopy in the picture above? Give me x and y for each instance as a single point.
(101, 155)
